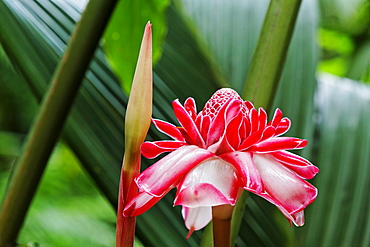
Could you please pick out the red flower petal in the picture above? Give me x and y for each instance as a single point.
(168, 129)
(140, 204)
(198, 123)
(267, 133)
(243, 162)
(278, 143)
(276, 118)
(213, 182)
(191, 107)
(200, 195)
(262, 118)
(297, 218)
(233, 129)
(245, 128)
(224, 115)
(204, 123)
(296, 163)
(151, 150)
(248, 105)
(187, 123)
(220, 147)
(196, 218)
(156, 179)
(283, 126)
(250, 140)
(253, 118)
(283, 187)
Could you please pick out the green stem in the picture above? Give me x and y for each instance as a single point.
(268, 59)
(54, 110)
(237, 217)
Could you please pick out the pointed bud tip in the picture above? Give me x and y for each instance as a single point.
(148, 26)
(191, 230)
(148, 37)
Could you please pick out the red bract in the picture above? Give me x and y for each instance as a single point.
(226, 147)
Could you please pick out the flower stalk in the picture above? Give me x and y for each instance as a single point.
(221, 222)
(137, 122)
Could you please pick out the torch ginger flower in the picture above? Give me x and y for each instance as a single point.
(226, 147)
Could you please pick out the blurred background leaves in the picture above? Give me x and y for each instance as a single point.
(345, 38)
(123, 36)
(205, 46)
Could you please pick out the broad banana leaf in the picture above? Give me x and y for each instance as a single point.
(341, 214)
